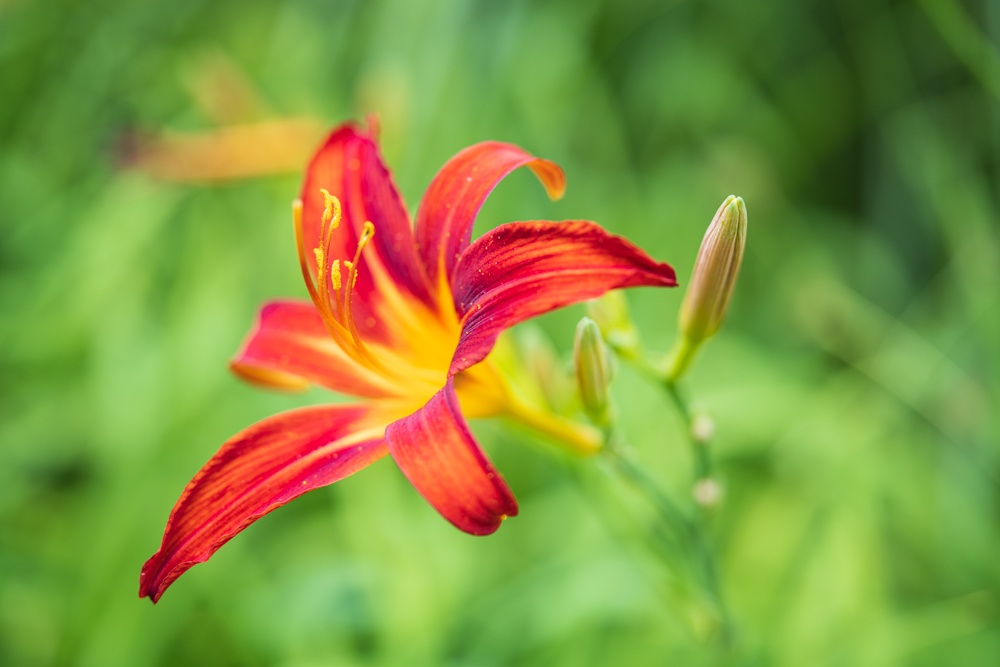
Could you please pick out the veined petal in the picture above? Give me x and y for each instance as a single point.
(453, 199)
(350, 167)
(258, 470)
(289, 347)
(523, 269)
(436, 451)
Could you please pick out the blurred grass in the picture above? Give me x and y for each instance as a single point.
(854, 386)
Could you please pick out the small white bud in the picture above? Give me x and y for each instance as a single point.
(707, 493)
(702, 428)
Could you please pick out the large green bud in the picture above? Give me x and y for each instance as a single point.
(712, 283)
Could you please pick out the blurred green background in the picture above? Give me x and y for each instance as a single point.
(854, 386)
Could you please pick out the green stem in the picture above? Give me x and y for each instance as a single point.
(678, 360)
(646, 483)
(683, 528)
(702, 470)
(700, 450)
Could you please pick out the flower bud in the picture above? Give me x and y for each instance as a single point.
(593, 370)
(712, 282)
(702, 428)
(715, 271)
(610, 312)
(707, 493)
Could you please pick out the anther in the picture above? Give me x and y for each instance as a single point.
(335, 274)
(366, 235)
(330, 202)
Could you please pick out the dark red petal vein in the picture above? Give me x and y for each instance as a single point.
(256, 471)
(453, 199)
(289, 347)
(438, 454)
(523, 269)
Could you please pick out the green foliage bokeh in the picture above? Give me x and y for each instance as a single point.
(854, 385)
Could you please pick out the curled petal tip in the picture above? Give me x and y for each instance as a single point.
(453, 199)
(552, 176)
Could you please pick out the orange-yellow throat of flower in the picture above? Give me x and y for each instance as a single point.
(416, 366)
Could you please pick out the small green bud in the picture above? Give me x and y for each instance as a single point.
(712, 282)
(593, 370)
(611, 314)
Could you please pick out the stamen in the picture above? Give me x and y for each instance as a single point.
(366, 235)
(337, 315)
(337, 330)
(349, 269)
(330, 221)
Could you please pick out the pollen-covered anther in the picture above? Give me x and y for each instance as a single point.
(319, 261)
(367, 232)
(335, 274)
(331, 202)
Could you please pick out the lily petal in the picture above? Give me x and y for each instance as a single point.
(289, 347)
(523, 269)
(436, 451)
(350, 166)
(453, 199)
(256, 471)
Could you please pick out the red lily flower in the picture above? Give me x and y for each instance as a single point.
(402, 316)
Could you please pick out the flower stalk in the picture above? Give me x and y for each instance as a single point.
(703, 310)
